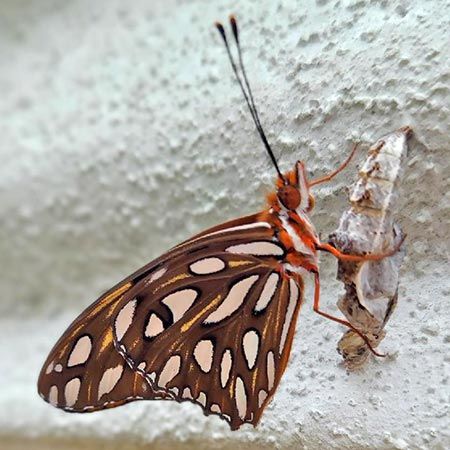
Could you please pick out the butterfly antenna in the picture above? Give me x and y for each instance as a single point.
(248, 97)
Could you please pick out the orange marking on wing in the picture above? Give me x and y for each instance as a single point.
(106, 341)
(254, 379)
(179, 277)
(189, 324)
(101, 305)
(109, 298)
(239, 263)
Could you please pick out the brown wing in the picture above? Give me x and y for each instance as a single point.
(215, 327)
(84, 372)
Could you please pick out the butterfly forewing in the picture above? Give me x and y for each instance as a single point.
(215, 327)
(203, 323)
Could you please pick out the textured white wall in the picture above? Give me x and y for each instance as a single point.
(122, 133)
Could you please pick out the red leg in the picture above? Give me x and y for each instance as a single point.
(357, 258)
(336, 319)
(331, 175)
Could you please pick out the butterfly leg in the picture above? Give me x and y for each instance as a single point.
(336, 319)
(358, 258)
(331, 175)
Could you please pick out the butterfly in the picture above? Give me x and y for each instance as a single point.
(212, 320)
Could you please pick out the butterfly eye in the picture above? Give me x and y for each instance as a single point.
(289, 196)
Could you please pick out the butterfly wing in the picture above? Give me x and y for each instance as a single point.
(211, 322)
(85, 351)
(216, 327)
(87, 348)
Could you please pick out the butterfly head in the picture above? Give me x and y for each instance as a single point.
(293, 190)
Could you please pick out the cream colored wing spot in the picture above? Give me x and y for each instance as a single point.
(293, 298)
(267, 293)
(247, 226)
(179, 302)
(207, 266)
(187, 393)
(49, 368)
(109, 380)
(156, 275)
(202, 399)
(81, 351)
(270, 370)
(250, 344)
(225, 367)
(124, 319)
(241, 398)
(203, 354)
(142, 366)
(58, 368)
(71, 391)
(262, 395)
(258, 248)
(215, 408)
(170, 370)
(53, 396)
(233, 300)
(154, 326)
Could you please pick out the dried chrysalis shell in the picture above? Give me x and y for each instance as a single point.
(371, 287)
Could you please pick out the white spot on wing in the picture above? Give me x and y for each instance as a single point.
(53, 395)
(250, 344)
(109, 380)
(207, 266)
(156, 275)
(170, 370)
(179, 302)
(270, 370)
(267, 292)
(258, 248)
(187, 393)
(80, 352)
(58, 368)
(293, 298)
(247, 226)
(49, 368)
(71, 391)
(202, 399)
(154, 326)
(262, 395)
(203, 354)
(124, 319)
(225, 367)
(215, 408)
(233, 300)
(241, 398)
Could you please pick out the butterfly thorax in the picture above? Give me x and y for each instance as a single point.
(288, 216)
(298, 236)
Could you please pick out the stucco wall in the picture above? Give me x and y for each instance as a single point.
(122, 133)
